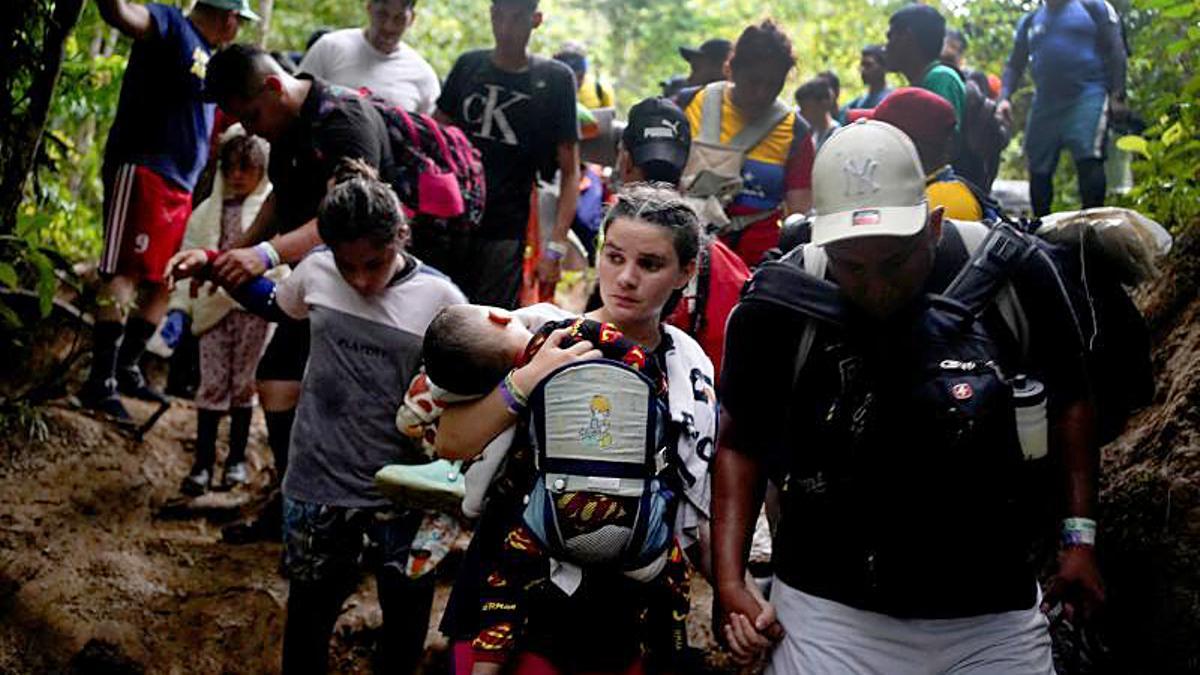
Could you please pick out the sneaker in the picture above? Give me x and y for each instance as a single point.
(132, 383)
(235, 474)
(104, 400)
(196, 483)
(437, 485)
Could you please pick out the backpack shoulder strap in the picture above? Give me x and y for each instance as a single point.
(710, 113)
(797, 282)
(993, 253)
(752, 134)
(815, 262)
(1101, 12)
(787, 283)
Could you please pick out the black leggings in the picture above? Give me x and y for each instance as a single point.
(313, 608)
(1092, 186)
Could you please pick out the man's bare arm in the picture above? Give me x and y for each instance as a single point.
(568, 192)
(738, 485)
(130, 18)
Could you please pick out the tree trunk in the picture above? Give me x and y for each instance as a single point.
(23, 134)
(264, 25)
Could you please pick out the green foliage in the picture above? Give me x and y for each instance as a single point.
(28, 267)
(25, 422)
(1165, 88)
(62, 210)
(633, 45)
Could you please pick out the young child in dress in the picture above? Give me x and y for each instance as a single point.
(231, 339)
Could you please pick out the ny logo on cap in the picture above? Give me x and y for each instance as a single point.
(860, 177)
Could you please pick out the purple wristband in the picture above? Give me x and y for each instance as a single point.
(264, 256)
(510, 401)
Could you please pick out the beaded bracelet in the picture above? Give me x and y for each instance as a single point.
(1078, 532)
(555, 250)
(514, 399)
(269, 255)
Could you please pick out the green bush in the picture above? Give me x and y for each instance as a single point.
(1165, 83)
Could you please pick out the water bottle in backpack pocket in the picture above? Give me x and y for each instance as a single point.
(1029, 408)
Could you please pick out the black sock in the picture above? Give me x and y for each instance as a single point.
(239, 434)
(207, 422)
(279, 436)
(1093, 184)
(138, 332)
(1041, 193)
(106, 336)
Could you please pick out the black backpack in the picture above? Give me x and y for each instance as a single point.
(955, 362)
(1115, 335)
(892, 508)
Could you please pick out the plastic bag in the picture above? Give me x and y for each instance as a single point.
(1129, 241)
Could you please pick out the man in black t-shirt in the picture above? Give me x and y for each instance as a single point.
(895, 549)
(311, 129)
(519, 110)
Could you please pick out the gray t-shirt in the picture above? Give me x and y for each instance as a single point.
(365, 351)
(402, 77)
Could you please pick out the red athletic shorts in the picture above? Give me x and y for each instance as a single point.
(145, 216)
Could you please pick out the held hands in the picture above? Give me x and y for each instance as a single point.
(236, 267)
(751, 627)
(550, 357)
(185, 265)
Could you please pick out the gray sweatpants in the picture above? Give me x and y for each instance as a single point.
(826, 637)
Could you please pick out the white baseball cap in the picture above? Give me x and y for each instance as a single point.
(868, 182)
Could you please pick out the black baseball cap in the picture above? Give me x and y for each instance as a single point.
(715, 50)
(657, 132)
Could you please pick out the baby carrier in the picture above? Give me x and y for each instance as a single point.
(598, 431)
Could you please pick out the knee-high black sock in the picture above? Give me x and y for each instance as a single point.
(1093, 184)
(207, 422)
(137, 333)
(106, 336)
(312, 611)
(1041, 192)
(406, 605)
(239, 434)
(279, 436)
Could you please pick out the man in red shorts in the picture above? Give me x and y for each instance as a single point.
(156, 150)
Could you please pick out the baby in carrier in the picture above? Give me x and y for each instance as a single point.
(468, 351)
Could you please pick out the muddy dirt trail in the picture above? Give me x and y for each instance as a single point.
(105, 569)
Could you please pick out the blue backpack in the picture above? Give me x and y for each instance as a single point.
(599, 437)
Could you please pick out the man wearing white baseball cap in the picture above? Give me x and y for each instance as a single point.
(885, 413)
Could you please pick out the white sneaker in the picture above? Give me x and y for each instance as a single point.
(235, 474)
